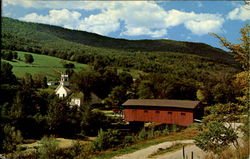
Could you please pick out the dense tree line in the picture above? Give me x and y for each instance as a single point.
(9, 55)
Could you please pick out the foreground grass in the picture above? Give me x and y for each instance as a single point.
(241, 152)
(186, 134)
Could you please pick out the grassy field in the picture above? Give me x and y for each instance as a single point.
(49, 66)
(43, 64)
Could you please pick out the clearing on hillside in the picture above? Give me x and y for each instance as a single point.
(43, 64)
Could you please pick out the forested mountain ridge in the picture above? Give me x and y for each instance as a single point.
(46, 35)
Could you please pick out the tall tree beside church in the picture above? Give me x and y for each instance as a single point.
(85, 81)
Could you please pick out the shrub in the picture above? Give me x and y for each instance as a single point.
(12, 137)
(108, 139)
(175, 128)
(151, 133)
(165, 132)
(128, 140)
(75, 149)
(48, 148)
(142, 135)
(158, 133)
(86, 152)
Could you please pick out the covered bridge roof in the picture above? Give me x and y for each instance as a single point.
(162, 103)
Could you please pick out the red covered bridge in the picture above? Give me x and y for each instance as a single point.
(179, 112)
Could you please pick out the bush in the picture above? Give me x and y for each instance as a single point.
(73, 151)
(128, 140)
(142, 135)
(48, 148)
(175, 128)
(165, 132)
(12, 137)
(86, 152)
(108, 139)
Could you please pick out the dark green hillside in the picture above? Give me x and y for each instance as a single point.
(48, 35)
(180, 59)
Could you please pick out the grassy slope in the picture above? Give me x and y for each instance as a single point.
(48, 66)
(42, 64)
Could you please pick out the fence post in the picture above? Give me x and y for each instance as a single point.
(183, 152)
(192, 155)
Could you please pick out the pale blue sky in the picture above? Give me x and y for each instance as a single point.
(176, 20)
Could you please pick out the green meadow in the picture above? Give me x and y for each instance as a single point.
(47, 65)
(51, 66)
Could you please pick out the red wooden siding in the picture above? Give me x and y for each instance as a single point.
(183, 117)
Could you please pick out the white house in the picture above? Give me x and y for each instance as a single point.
(75, 102)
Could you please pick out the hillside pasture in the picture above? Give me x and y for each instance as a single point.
(47, 65)
(51, 66)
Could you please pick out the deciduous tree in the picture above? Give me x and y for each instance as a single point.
(28, 58)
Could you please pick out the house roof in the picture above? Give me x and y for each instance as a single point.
(77, 95)
(67, 89)
(161, 103)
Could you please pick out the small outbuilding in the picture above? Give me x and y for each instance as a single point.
(179, 112)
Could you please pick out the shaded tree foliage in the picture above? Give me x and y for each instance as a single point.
(28, 58)
(217, 138)
(7, 76)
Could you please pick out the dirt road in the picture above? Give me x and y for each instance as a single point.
(178, 154)
(144, 153)
(197, 153)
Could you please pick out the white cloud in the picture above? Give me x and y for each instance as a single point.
(104, 23)
(199, 24)
(144, 31)
(199, 4)
(205, 26)
(137, 17)
(62, 17)
(62, 4)
(240, 13)
(23, 3)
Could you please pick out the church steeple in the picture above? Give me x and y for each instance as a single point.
(64, 78)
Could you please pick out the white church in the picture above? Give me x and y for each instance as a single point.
(63, 91)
